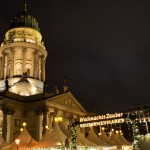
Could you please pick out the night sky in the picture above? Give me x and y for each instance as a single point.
(102, 47)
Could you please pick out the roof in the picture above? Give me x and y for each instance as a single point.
(54, 139)
(24, 19)
(82, 140)
(115, 139)
(94, 138)
(64, 130)
(26, 141)
(106, 139)
(2, 142)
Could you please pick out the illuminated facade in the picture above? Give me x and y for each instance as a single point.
(23, 52)
(22, 75)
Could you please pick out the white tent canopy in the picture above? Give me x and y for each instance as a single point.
(115, 140)
(94, 138)
(106, 139)
(64, 130)
(2, 142)
(26, 141)
(56, 138)
(82, 140)
(122, 139)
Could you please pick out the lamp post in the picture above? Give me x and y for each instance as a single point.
(17, 141)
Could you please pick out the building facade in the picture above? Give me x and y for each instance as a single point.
(22, 89)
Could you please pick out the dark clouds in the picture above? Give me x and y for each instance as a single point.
(102, 47)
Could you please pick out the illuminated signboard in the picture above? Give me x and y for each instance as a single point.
(101, 120)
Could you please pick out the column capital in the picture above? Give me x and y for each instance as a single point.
(35, 52)
(38, 112)
(4, 53)
(42, 57)
(7, 111)
(41, 110)
(12, 49)
(24, 48)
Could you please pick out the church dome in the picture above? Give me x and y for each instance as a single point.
(24, 19)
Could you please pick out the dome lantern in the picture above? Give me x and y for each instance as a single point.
(24, 19)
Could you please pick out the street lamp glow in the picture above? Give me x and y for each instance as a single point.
(46, 127)
(17, 141)
(24, 124)
(57, 119)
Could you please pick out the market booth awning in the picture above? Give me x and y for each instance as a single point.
(95, 139)
(55, 138)
(122, 139)
(26, 141)
(106, 139)
(82, 140)
(64, 130)
(2, 143)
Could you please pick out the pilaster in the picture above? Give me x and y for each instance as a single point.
(12, 62)
(43, 68)
(24, 50)
(36, 64)
(4, 69)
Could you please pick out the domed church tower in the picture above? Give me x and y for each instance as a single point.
(22, 77)
(22, 57)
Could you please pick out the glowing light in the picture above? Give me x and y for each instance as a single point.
(99, 134)
(24, 124)
(46, 127)
(117, 131)
(57, 119)
(21, 129)
(17, 141)
(101, 123)
(112, 130)
(103, 128)
(101, 117)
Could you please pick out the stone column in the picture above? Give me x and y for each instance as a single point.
(24, 50)
(51, 118)
(7, 123)
(36, 65)
(9, 127)
(12, 62)
(43, 68)
(39, 125)
(4, 69)
(6, 64)
(4, 127)
(45, 117)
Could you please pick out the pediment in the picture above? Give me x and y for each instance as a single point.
(66, 102)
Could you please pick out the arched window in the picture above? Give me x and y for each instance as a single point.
(18, 68)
